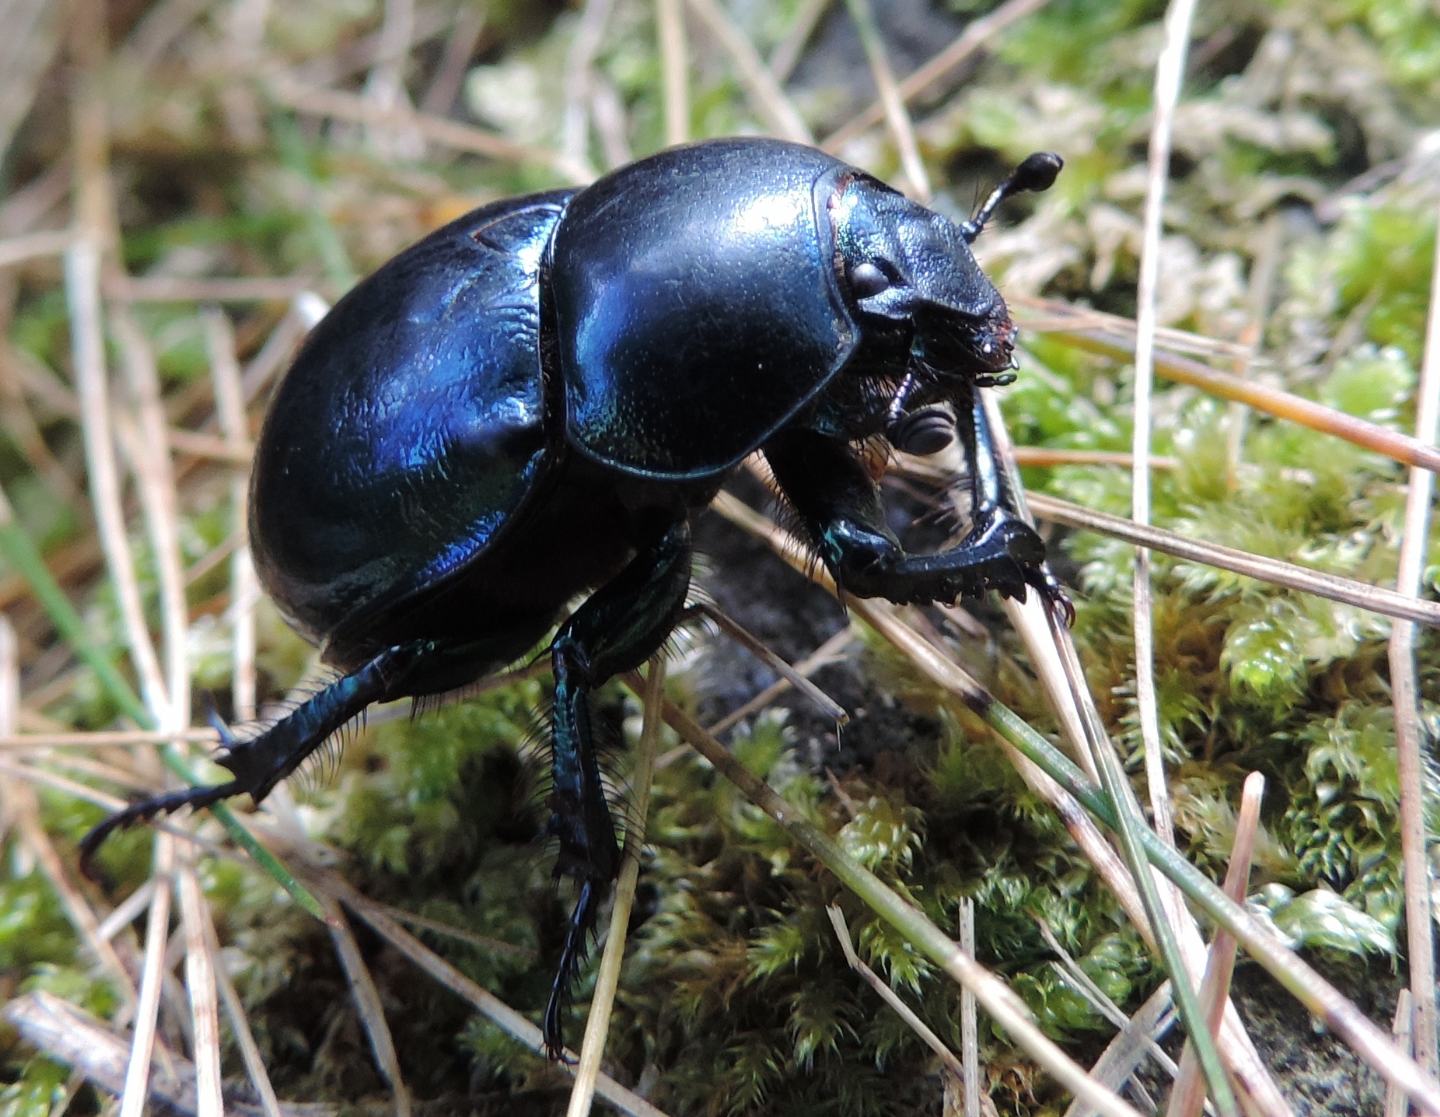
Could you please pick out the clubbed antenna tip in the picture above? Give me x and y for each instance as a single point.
(1036, 172)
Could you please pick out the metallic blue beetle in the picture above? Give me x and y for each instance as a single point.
(529, 404)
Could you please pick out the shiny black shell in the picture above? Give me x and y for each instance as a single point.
(409, 430)
(695, 303)
(476, 432)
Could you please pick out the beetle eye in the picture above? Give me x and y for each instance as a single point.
(867, 279)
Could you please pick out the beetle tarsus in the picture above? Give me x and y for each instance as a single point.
(578, 934)
(148, 809)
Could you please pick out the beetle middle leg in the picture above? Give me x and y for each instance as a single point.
(617, 629)
(840, 510)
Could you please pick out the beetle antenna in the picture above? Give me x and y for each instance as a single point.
(1036, 172)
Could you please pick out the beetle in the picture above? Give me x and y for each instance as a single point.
(529, 405)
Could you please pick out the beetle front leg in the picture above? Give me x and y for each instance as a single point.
(840, 510)
(992, 501)
(621, 626)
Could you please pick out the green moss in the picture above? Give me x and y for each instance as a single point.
(1375, 262)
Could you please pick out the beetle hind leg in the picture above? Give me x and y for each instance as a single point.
(261, 762)
(621, 626)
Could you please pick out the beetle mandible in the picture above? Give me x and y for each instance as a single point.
(530, 403)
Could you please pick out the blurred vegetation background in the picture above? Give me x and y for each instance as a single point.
(229, 156)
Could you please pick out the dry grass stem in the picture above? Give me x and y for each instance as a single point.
(912, 1021)
(1377, 599)
(490, 1006)
(607, 979)
(244, 1037)
(969, 1019)
(579, 78)
(459, 934)
(1405, 697)
(155, 484)
(1119, 343)
(977, 33)
(1051, 650)
(675, 87)
(200, 967)
(1260, 292)
(1043, 456)
(786, 54)
(244, 586)
(385, 83)
(135, 1094)
(611, 122)
(449, 133)
(73, 763)
(1403, 1026)
(306, 308)
(119, 918)
(212, 447)
(1169, 75)
(50, 242)
(69, 1035)
(368, 1004)
(28, 742)
(827, 653)
(794, 676)
(245, 1041)
(1086, 987)
(765, 94)
(131, 289)
(1188, 1097)
(1131, 1046)
(87, 342)
(897, 118)
(460, 47)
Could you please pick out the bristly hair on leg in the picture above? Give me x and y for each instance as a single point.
(692, 628)
(322, 767)
(789, 520)
(533, 751)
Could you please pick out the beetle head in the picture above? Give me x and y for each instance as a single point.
(909, 267)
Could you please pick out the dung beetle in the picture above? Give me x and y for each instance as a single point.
(528, 405)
